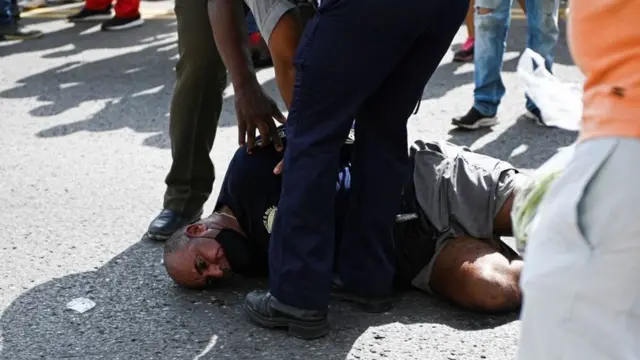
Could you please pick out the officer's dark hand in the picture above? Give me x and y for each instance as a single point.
(256, 110)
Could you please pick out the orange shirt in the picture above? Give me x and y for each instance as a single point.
(604, 36)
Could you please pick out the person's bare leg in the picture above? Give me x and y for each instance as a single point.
(471, 273)
(502, 225)
(283, 44)
(471, 30)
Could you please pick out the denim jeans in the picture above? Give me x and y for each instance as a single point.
(490, 42)
(252, 26)
(6, 12)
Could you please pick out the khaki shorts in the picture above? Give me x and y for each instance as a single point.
(267, 14)
(460, 192)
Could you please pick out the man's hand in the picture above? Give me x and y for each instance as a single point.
(278, 169)
(255, 109)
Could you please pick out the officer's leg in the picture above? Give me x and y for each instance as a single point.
(367, 258)
(334, 75)
(195, 109)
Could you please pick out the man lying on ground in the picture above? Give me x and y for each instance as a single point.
(455, 207)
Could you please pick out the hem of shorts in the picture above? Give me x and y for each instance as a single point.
(427, 269)
(273, 17)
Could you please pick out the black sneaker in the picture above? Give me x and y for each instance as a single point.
(536, 116)
(465, 53)
(474, 119)
(118, 23)
(91, 15)
(14, 32)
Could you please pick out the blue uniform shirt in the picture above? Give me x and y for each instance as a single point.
(252, 191)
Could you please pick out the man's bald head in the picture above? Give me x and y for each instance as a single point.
(195, 254)
(193, 261)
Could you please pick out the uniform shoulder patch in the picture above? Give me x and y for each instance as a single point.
(269, 217)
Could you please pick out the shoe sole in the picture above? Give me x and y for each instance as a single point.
(16, 37)
(164, 236)
(463, 58)
(156, 237)
(484, 122)
(126, 26)
(301, 330)
(91, 18)
(33, 7)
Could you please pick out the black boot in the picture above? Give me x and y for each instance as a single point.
(264, 309)
(168, 222)
(367, 304)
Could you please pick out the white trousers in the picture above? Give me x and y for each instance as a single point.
(581, 279)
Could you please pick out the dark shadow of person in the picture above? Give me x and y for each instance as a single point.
(74, 38)
(141, 314)
(135, 87)
(524, 144)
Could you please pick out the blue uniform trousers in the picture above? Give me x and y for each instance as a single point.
(367, 60)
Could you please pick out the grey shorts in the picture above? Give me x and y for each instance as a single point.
(267, 14)
(460, 192)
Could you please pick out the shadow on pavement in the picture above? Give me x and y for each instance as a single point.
(518, 144)
(132, 89)
(446, 79)
(141, 314)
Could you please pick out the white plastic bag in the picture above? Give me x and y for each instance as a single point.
(526, 205)
(560, 103)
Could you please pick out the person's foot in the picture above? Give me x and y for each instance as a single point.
(168, 222)
(465, 53)
(120, 23)
(265, 310)
(91, 15)
(14, 31)
(367, 304)
(536, 116)
(474, 119)
(32, 4)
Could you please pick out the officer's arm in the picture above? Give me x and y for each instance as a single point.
(229, 30)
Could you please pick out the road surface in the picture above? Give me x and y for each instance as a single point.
(84, 151)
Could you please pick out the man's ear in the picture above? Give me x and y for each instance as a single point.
(195, 230)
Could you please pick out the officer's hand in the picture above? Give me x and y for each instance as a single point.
(255, 109)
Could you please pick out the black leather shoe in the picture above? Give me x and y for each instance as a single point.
(264, 309)
(168, 222)
(367, 304)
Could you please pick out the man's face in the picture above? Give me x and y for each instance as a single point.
(200, 260)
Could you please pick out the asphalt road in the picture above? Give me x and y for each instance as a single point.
(83, 155)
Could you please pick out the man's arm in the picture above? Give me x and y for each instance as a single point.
(230, 33)
(254, 108)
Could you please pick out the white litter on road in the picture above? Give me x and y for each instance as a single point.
(81, 305)
(210, 345)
